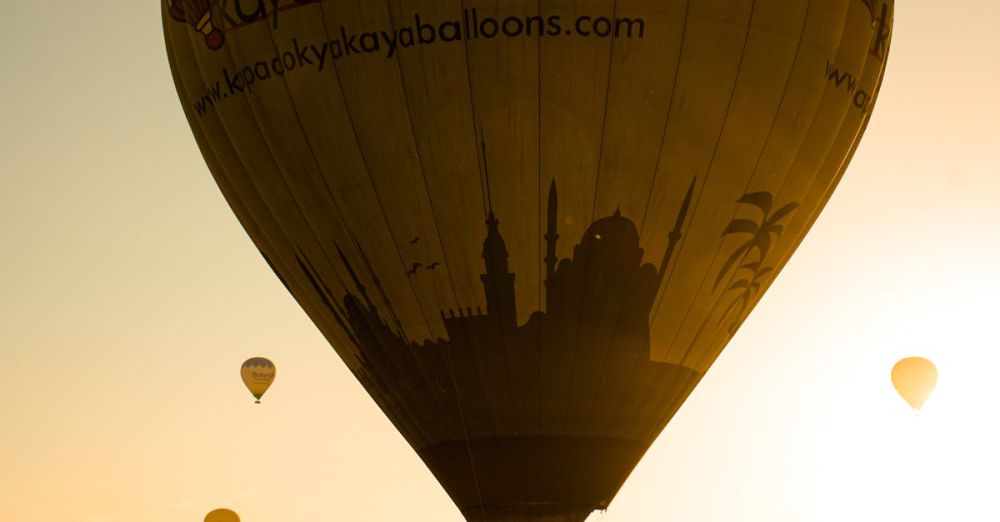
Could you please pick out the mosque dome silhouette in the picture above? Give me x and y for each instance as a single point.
(612, 236)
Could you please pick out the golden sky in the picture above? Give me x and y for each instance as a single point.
(129, 296)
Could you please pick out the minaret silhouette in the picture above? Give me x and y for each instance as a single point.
(675, 234)
(498, 281)
(551, 237)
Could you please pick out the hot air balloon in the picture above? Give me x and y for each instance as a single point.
(222, 515)
(529, 228)
(914, 378)
(258, 374)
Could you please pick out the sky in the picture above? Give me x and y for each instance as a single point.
(129, 296)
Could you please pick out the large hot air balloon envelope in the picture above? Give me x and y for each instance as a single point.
(528, 227)
(258, 374)
(914, 378)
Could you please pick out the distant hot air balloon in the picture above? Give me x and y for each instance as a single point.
(222, 515)
(530, 227)
(258, 374)
(914, 379)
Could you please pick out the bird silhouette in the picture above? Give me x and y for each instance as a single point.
(414, 241)
(414, 268)
(433, 265)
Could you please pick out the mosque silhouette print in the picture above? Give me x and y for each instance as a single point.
(506, 415)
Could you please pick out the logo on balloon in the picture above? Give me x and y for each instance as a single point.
(754, 270)
(882, 24)
(198, 14)
(596, 317)
(213, 18)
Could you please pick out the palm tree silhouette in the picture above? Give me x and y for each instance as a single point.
(760, 231)
(749, 286)
(759, 238)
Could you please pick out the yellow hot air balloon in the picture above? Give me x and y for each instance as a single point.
(258, 374)
(528, 227)
(914, 379)
(222, 515)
